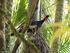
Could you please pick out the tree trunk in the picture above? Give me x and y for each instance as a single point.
(69, 5)
(2, 36)
(8, 15)
(58, 18)
(69, 13)
(40, 43)
(2, 31)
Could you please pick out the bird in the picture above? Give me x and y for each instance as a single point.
(35, 25)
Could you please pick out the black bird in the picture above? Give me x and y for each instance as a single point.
(34, 26)
(37, 24)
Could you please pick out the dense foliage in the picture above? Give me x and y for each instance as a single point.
(20, 16)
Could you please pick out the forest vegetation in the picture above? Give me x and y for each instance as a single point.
(34, 26)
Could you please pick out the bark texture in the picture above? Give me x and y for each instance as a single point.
(2, 34)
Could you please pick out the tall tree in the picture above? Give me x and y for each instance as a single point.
(2, 34)
(68, 12)
(68, 5)
(58, 18)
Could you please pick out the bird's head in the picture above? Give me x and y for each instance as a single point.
(46, 17)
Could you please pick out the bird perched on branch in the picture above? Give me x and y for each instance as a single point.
(35, 25)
